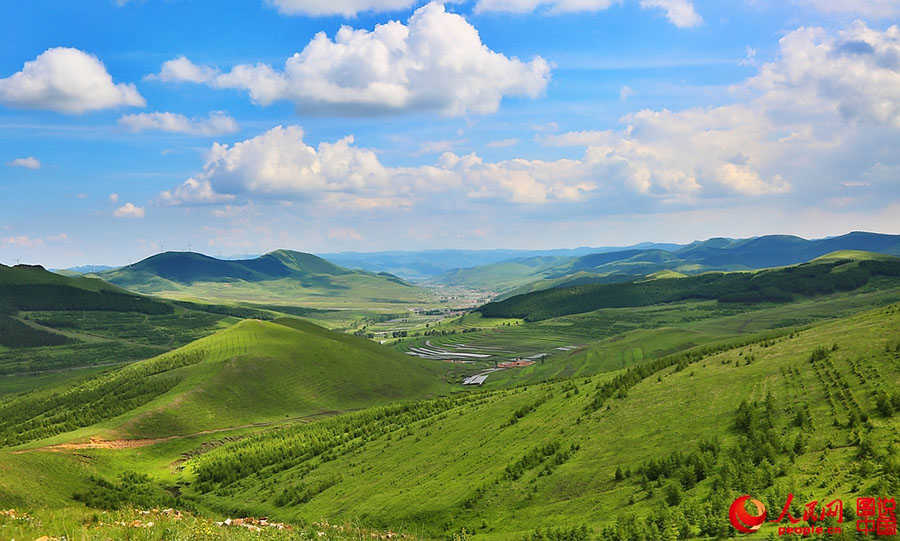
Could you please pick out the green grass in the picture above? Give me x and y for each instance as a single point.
(506, 461)
(615, 338)
(252, 372)
(447, 470)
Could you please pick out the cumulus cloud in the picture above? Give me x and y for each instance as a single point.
(216, 123)
(68, 81)
(855, 73)
(681, 13)
(29, 163)
(279, 164)
(129, 210)
(347, 8)
(435, 62)
(181, 69)
(799, 126)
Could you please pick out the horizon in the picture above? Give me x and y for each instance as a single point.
(406, 126)
(324, 255)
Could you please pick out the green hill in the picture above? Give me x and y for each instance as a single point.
(774, 285)
(254, 371)
(663, 447)
(716, 254)
(279, 277)
(659, 449)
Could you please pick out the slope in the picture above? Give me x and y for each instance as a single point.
(659, 449)
(716, 254)
(53, 328)
(282, 276)
(772, 285)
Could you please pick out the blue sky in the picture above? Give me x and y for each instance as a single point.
(128, 127)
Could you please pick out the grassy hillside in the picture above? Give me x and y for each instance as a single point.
(251, 372)
(53, 327)
(775, 285)
(660, 448)
(280, 277)
(812, 413)
(717, 254)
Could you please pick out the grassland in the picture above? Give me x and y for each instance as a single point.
(642, 423)
(505, 463)
(616, 338)
(501, 464)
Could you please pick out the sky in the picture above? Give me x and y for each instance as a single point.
(130, 127)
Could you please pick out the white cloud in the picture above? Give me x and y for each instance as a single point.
(876, 9)
(625, 92)
(798, 133)
(855, 73)
(181, 69)
(29, 163)
(679, 12)
(216, 123)
(113, 197)
(129, 210)
(435, 62)
(68, 81)
(337, 7)
(279, 164)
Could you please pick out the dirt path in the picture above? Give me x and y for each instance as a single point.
(100, 443)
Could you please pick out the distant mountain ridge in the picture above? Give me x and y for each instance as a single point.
(427, 264)
(715, 254)
(279, 277)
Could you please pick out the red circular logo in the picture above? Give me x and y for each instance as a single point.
(744, 521)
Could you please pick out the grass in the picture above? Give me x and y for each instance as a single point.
(394, 447)
(252, 372)
(615, 338)
(104, 339)
(447, 470)
(165, 524)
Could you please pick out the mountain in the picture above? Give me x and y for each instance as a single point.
(83, 269)
(428, 264)
(282, 276)
(715, 254)
(840, 271)
(189, 267)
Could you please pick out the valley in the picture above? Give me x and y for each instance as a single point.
(549, 415)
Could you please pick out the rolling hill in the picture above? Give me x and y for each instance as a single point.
(660, 449)
(55, 328)
(254, 371)
(825, 275)
(282, 276)
(716, 254)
